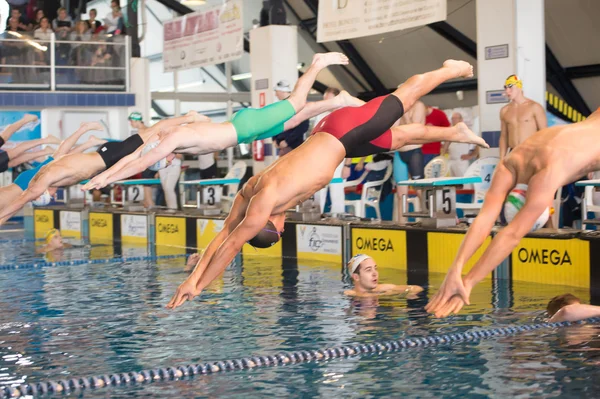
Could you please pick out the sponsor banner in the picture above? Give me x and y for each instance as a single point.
(321, 243)
(552, 261)
(387, 247)
(70, 224)
(134, 229)
(347, 19)
(442, 249)
(170, 231)
(211, 36)
(101, 227)
(30, 131)
(43, 220)
(207, 230)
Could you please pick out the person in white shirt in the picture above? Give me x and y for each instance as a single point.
(112, 19)
(44, 32)
(459, 154)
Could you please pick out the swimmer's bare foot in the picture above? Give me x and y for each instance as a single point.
(465, 135)
(344, 99)
(196, 117)
(323, 60)
(50, 139)
(30, 118)
(192, 262)
(462, 68)
(92, 126)
(96, 141)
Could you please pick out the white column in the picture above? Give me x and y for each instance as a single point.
(510, 40)
(273, 57)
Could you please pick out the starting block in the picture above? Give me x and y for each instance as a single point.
(133, 191)
(587, 205)
(439, 199)
(209, 194)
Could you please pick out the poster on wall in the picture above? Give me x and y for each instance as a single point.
(213, 35)
(346, 19)
(30, 131)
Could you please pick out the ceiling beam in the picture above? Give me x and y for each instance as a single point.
(583, 71)
(557, 77)
(352, 53)
(455, 37)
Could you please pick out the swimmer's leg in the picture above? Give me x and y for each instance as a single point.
(256, 124)
(93, 141)
(419, 85)
(29, 156)
(14, 127)
(416, 133)
(70, 141)
(20, 149)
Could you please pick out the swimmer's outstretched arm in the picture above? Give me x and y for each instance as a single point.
(107, 177)
(455, 292)
(575, 312)
(248, 220)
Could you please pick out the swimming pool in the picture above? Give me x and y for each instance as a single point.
(84, 320)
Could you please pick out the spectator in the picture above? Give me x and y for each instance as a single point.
(44, 32)
(22, 21)
(39, 14)
(435, 117)
(81, 33)
(459, 154)
(94, 24)
(63, 24)
(114, 19)
(293, 138)
(20, 5)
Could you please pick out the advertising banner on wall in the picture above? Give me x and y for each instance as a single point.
(347, 19)
(30, 131)
(210, 36)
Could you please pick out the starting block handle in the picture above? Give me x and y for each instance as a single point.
(424, 214)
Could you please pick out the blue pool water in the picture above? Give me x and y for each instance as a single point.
(94, 319)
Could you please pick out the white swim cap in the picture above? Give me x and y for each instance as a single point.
(158, 165)
(356, 261)
(516, 200)
(43, 200)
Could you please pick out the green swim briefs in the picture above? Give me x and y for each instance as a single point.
(261, 123)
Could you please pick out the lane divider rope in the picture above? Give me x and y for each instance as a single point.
(78, 385)
(34, 265)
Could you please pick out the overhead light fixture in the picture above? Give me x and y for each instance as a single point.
(248, 75)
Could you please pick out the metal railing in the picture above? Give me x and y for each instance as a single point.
(74, 63)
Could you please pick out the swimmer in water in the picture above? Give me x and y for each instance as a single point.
(63, 171)
(257, 216)
(54, 241)
(524, 182)
(246, 126)
(365, 278)
(568, 307)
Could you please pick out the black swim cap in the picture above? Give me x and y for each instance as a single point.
(266, 238)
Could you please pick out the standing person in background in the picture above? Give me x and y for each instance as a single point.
(137, 123)
(434, 117)
(169, 177)
(292, 138)
(208, 165)
(114, 19)
(520, 118)
(459, 154)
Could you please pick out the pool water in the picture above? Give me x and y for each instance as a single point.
(93, 319)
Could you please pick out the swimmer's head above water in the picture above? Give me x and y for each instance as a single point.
(54, 239)
(363, 270)
(513, 87)
(559, 302)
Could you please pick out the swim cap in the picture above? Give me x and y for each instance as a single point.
(516, 200)
(135, 116)
(43, 199)
(355, 262)
(158, 165)
(266, 238)
(51, 234)
(513, 80)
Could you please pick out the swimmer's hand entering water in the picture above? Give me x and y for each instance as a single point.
(452, 296)
(185, 292)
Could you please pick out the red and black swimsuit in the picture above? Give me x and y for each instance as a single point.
(364, 130)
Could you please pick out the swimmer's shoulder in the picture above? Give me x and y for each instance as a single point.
(350, 293)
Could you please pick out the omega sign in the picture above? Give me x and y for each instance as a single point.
(168, 228)
(544, 256)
